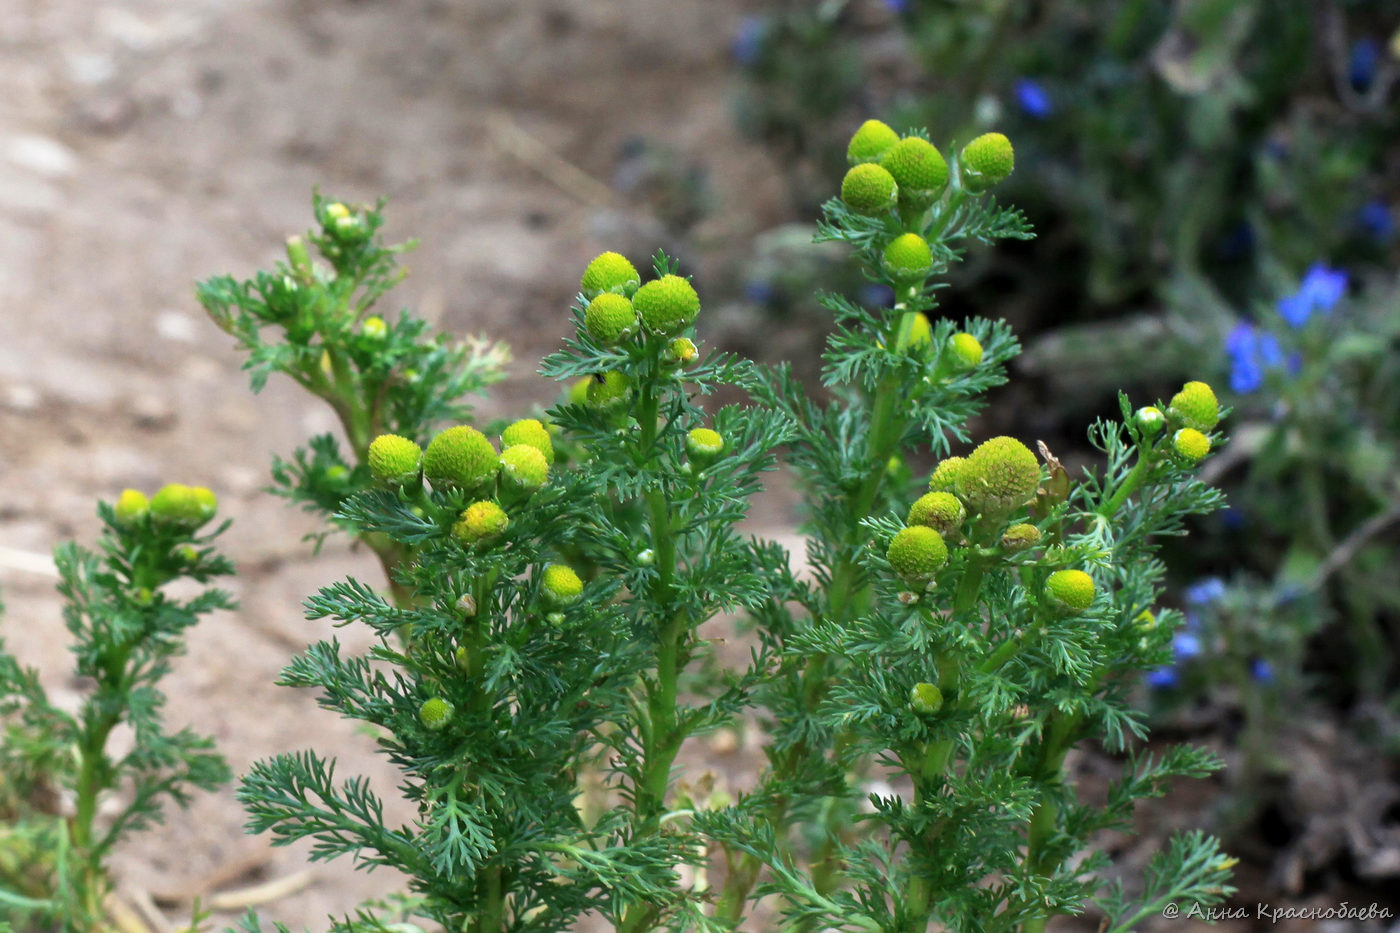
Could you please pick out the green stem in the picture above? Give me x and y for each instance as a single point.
(1130, 483)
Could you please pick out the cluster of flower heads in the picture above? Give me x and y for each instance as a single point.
(889, 171)
(1253, 351)
(174, 505)
(464, 459)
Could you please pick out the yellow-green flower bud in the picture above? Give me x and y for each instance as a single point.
(610, 390)
(916, 552)
(925, 699)
(1019, 537)
(609, 272)
(683, 350)
(1072, 591)
(460, 456)
(920, 333)
(869, 189)
(298, 257)
(463, 657)
(1191, 444)
(917, 167)
(610, 319)
(1196, 406)
(394, 459)
(132, 506)
(947, 475)
(560, 585)
(374, 327)
(870, 142)
(532, 432)
(524, 467)
(578, 392)
(336, 211)
(435, 713)
(940, 511)
(704, 445)
(966, 350)
(1149, 419)
(186, 506)
(1145, 621)
(479, 523)
(907, 258)
(1001, 475)
(986, 160)
(667, 306)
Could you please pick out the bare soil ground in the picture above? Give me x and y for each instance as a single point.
(145, 144)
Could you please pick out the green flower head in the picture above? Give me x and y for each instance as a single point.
(966, 350)
(184, 506)
(916, 553)
(479, 523)
(907, 258)
(667, 306)
(1149, 419)
(132, 506)
(986, 160)
(940, 511)
(524, 467)
(435, 713)
(920, 333)
(869, 189)
(560, 585)
(532, 432)
(704, 445)
(1019, 537)
(1195, 406)
(870, 142)
(917, 167)
(1071, 591)
(610, 319)
(947, 475)
(925, 699)
(1191, 445)
(460, 457)
(609, 390)
(609, 272)
(1001, 475)
(394, 459)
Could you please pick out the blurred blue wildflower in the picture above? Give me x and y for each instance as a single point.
(1251, 352)
(874, 295)
(1186, 645)
(1233, 516)
(760, 292)
(1206, 591)
(1361, 70)
(1376, 220)
(1033, 99)
(898, 6)
(747, 44)
(1322, 287)
(1163, 677)
(1261, 670)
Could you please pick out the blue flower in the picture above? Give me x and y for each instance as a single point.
(897, 6)
(1163, 677)
(1375, 219)
(1365, 55)
(1251, 352)
(1204, 592)
(1320, 290)
(1033, 99)
(1233, 517)
(1261, 670)
(1186, 645)
(760, 292)
(873, 295)
(747, 44)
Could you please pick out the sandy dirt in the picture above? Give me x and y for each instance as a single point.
(145, 144)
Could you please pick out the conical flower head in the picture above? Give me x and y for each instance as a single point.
(986, 160)
(1191, 445)
(479, 523)
(610, 319)
(869, 189)
(1001, 475)
(966, 350)
(667, 306)
(947, 476)
(870, 142)
(916, 166)
(1071, 591)
(609, 272)
(940, 511)
(907, 258)
(460, 457)
(560, 584)
(524, 467)
(435, 713)
(394, 459)
(916, 553)
(530, 431)
(132, 506)
(1196, 406)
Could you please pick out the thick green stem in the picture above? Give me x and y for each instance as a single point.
(1130, 483)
